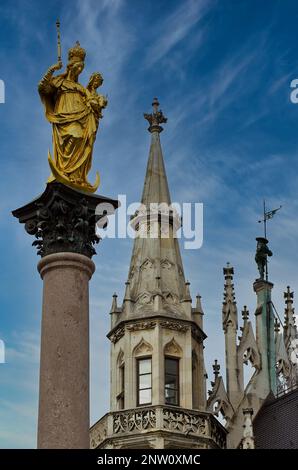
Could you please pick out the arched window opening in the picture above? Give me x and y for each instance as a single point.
(144, 381)
(172, 381)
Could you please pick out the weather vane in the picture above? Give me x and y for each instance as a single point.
(266, 216)
(262, 249)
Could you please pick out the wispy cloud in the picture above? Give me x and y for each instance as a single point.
(26, 348)
(102, 30)
(174, 28)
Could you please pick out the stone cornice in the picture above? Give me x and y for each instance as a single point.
(181, 325)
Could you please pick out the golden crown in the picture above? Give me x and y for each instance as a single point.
(76, 53)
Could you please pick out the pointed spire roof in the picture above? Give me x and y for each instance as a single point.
(156, 188)
(114, 306)
(198, 307)
(156, 255)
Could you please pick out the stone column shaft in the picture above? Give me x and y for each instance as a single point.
(265, 335)
(63, 420)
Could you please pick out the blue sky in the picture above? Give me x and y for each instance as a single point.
(222, 71)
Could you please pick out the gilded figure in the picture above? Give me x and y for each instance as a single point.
(74, 112)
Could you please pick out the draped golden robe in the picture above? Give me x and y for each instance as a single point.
(68, 106)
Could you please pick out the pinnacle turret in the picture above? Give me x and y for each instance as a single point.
(290, 331)
(229, 309)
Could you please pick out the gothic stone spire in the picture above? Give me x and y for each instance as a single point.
(156, 252)
(230, 325)
(156, 189)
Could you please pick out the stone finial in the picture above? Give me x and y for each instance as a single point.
(245, 314)
(289, 310)
(289, 296)
(127, 301)
(114, 306)
(155, 118)
(127, 295)
(198, 307)
(216, 368)
(229, 309)
(187, 296)
(245, 317)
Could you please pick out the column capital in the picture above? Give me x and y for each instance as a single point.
(63, 219)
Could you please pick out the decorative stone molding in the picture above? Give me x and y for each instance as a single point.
(170, 298)
(173, 348)
(147, 264)
(247, 350)
(138, 420)
(142, 348)
(144, 325)
(117, 334)
(120, 358)
(98, 433)
(144, 299)
(218, 400)
(185, 422)
(283, 365)
(174, 325)
(217, 434)
(166, 264)
(197, 334)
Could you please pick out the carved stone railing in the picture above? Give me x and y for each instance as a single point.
(185, 422)
(158, 418)
(134, 420)
(98, 432)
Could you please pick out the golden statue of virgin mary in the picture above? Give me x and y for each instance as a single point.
(74, 112)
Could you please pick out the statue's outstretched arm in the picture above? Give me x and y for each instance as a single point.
(45, 85)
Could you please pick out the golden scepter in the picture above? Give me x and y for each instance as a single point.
(58, 40)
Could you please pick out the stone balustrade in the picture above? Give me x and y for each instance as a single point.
(157, 418)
